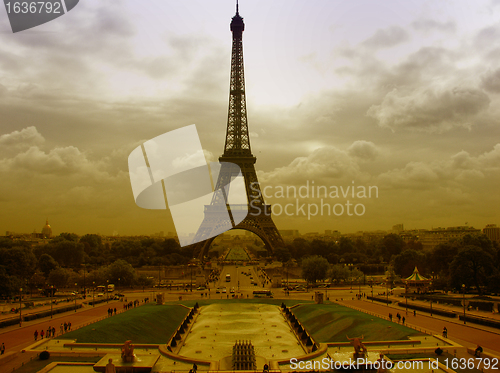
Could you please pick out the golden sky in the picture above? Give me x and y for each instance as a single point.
(401, 95)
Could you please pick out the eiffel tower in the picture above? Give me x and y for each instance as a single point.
(237, 151)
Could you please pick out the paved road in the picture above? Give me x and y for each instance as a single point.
(18, 338)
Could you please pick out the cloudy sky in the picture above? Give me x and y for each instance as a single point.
(398, 95)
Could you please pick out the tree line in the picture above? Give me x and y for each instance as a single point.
(68, 259)
(473, 260)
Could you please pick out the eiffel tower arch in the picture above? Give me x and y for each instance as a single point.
(237, 151)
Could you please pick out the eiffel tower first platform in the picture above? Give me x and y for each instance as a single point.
(237, 151)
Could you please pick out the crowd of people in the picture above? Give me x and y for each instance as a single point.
(51, 331)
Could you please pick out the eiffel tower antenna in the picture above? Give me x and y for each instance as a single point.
(237, 151)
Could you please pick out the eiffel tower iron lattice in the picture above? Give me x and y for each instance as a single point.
(237, 151)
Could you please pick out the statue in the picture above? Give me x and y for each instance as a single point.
(359, 348)
(128, 352)
(110, 367)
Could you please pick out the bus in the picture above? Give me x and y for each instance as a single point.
(101, 289)
(262, 294)
(111, 288)
(228, 278)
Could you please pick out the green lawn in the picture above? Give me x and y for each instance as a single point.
(156, 324)
(331, 323)
(145, 324)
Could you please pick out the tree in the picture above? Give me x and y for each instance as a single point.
(390, 275)
(471, 266)
(346, 245)
(59, 277)
(321, 248)
(339, 273)
(405, 263)
(46, 264)
(18, 261)
(67, 237)
(314, 268)
(441, 256)
(143, 281)
(68, 253)
(392, 244)
(299, 248)
(92, 244)
(121, 272)
(9, 285)
(282, 254)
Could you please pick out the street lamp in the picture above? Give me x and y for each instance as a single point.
(84, 287)
(93, 295)
(191, 265)
(463, 288)
(107, 292)
(430, 298)
(51, 298)
(387, 291)
(76, 292)
(20, 307)
(350, 274)
(371, 285)
(159, 277)
(406, 296)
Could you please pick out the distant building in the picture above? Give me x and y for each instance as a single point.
(47, 230)
(492, 232)
(289, 232)
(432, 238)
(398, 228)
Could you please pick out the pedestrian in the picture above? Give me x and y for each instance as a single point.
(2, 349)
(390, 316)
(61, 328)
(48, 332)
(42, 333)
(36, 334)
(414, 312)
(114, 310)
(53, 331)
(477, 351)
(445, 332)
(65, 327)
(195, 367)
(69, 325)
(403, 320)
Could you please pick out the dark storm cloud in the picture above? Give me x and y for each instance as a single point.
(491, 81)
(432, 109)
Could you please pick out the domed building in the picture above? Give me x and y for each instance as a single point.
(47, 230)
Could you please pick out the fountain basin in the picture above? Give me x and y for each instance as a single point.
(141, 364)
